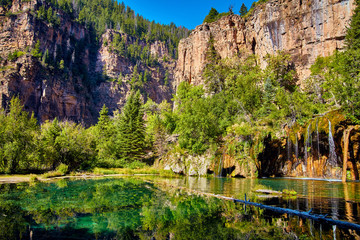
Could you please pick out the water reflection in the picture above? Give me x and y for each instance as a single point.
(136, 209)
(338, 200)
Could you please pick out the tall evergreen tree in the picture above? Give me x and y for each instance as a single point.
(243, 10)
(212, 16)
(353, 33)
(131, 130)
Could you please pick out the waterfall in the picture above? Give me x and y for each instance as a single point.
(332, 154)
(220, 168)
(288, 148)
(307, 144)
(296, 153)
(296, 147)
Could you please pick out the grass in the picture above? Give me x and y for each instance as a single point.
(289, 192)
(62, 171)
(128, 171)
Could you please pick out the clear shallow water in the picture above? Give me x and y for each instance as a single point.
(338, 200)
(134, 208)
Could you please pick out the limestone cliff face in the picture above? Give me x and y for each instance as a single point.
(68, 81)
(113, 93)
(41, 86)
(303, 28)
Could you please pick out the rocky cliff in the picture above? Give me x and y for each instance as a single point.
(44, 88)
(120, 70)
(303, 28)
(58, 69)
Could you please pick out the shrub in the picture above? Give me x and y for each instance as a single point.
(15, 55)
(62, 169)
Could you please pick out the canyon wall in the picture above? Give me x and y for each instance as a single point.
(73, 75)
(303, 28)
(42, 89)
(120, 69)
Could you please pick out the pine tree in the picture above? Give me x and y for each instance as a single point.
(243, 10)
(212, 16)
(353, 32)
(131, 130)
(105, 134)
(104, 119)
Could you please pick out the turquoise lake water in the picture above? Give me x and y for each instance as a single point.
(151, 207)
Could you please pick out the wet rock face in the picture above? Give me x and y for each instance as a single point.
(303, 28)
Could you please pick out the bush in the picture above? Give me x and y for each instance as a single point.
(15, 55)
(33, 178)
(136, 165)
(62, 169)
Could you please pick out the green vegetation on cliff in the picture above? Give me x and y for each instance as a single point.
(102, 15)
(214, 15)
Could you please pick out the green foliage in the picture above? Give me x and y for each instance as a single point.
(337, 77)
(105, 137)
(243, 10)
(214, 15)
(62, 168)
(130, 142)
(200, 120)
(17, 130)
(6, 3)
(15, 55)
(66, 143)
(36, 52)
(240, 100)
(48, 15)
(353, 32)
(159, 125)
(104, 15)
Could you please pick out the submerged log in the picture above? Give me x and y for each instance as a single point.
(266, 191)
(302, 214)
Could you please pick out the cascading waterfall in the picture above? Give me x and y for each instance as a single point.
(307, 146)
(332, 154)
(296, 147)
(220, 168)
(288, 148)
(296, 153)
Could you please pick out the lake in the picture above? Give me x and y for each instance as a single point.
(151, 207)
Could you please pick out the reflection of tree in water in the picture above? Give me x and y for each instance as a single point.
(134, 209)
(175, 215)
(13, 221)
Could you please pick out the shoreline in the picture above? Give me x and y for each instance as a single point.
(18, 178)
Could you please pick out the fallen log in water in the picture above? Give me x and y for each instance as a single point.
(309, 215)
(267, 191)
(302, 214)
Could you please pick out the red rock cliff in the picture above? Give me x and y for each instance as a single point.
(303, 28)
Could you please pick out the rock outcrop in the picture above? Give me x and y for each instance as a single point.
(303, 28)
(72, 77)
(41, 86)
(120, 69)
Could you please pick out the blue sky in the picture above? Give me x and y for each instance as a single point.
(187, 13)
